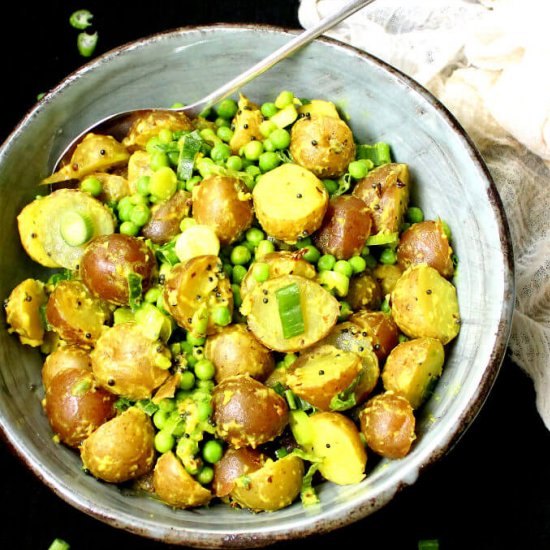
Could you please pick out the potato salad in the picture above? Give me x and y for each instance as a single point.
(235, 308)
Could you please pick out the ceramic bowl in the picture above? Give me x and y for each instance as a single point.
(450, 181)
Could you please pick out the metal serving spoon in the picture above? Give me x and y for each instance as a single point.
(118, 124)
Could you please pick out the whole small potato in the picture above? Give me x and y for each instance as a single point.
(225, 204)
(64, 358)
(322, 144)
(345, 228)
(388, 425)
(364, 292)
(127, 362)
(76, 406)
(234, 464)
(166, 218)
(247, 413)
(121, 449)
(107, 262)
(175, 486)
(75, 314)
(235, 350)
(426, 243)
(380, 328)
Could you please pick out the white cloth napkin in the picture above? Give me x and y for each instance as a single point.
(488, 61)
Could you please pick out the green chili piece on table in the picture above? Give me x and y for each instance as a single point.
(81, 19)
(378, 153)
(186, 162)
(86, 43)
(290, 310)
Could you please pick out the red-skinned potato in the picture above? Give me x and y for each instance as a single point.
(121, 449)
(76, 406)
(107, 262)
(64, 358)
(426, 243)
(380, 328)
(166, 218)
(75, 314)
(247, 413)
(388, 425)
(346, 226)
(233, 464)
(225, 204)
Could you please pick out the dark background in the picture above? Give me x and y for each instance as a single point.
(492, 491)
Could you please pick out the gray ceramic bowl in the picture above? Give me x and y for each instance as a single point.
(450, 181)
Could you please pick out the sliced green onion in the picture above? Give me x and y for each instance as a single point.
(290, 310)
(86, 43)
(134, 289)
(428, 544)
(382, 238)
(76, 229)
(378, 153)
(59, 544)
(81, 19)
(191, 146)
(308, 495)
(301, 428)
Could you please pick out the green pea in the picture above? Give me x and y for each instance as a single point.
(153, 145)
(227, 108)
(167, 405)
(280, 138)
(237, 299)
(129, 228)
(283, 99)
(165, 135)
(289, 358)
(326, 262)
(239, 271)
(385, 307)
(206, 385)
(187, 380)
(268, 145)
(225, 133)
(253, 170)
(220, 152)
(206, 475)
(159, 159)
(91, 185)
(163, 182)
(240, 255)
(164, 441)
(302, 243)
(312, 255)
(204, 410)
(357, 170)
(264, 247)
(268, 109)
(140, 215)
(388, 256)
(205, 370)
(221, 122)
(221, 316)
(142, 185)
(194, 340)
(254, 235)
(331, 186)
(260, 271)
(253, 149)
(212, 451)
(268, 161)
(358, 264)
(414, 214)
(125, 208)
(234, 162)
(266, 127)
(343, 267)
(160, 418)
(152, 295)
(191, 182)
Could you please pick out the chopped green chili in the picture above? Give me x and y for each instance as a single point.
(86, 43)
(59, 544)
(81, 19)
(191, 146)
(290, 310)
(378, 153)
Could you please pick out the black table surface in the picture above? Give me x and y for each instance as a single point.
(491, 491)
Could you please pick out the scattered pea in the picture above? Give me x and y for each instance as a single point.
(264, 247)
(187, 380)
(140, 215)
(204, 410)
(312, 254)
(260, 271)
(358, 264)
(227, 108)
(253, 149)
(234, 162)
(129, 228)
(326, 262)
(91, 185)
(220, 152)
(268, 109)
(280, 138)
(330, 185)
(254, 235)
(357, 170)
(221, 316)
(164, 441)
(239, 271)
(225, 133)
(142, 185)
(388, 256)
(414, 214)
(204, 369)
(268, 161)
(240, 255)
(205, 475)
(212, 451)
(343, 267)
(159, 159)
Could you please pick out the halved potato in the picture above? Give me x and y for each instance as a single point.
(337, 442)
(139, 164)
(387, 276)
(380, 328)
(113, 186)
(234, 464)
(318, 107)
(319, 309)
(246, 124)
(364, 292)
(166, 217)
(290, 202)
(64, 358)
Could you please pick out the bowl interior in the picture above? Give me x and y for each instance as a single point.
(449, 181)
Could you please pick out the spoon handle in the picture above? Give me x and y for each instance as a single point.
(286, 50)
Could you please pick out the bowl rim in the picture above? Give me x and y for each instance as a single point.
(365, 506)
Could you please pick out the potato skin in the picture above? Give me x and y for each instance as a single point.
(426, 243)
(76, 406)
(388, 425)
(127, 362)
(107, 262)
(385, 190)
(412, 367)
(423, 303)
(121, 449)
(247, 413)
(166, 218)
(233, 464)
(235, 350)
(246, 124)
(75, 314)
(346, 226)
(322, 144)
(175, 487)
(380, 328)
(364, 292)
(225, 204)
(64, 358)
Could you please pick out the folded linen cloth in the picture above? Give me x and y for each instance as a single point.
(487, 61)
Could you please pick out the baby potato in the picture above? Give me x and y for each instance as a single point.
(364, 292)
(64, 358)
(235, 350)
(126, 361)
(387, 276)
(388, 425)
(345, 228)
(273, 486)
(121, 449)
(423, 303)
(246, 412)
(197, 287)
(320, 375)
(426, 243)
(175, 487)
(113, 186)
(234, 464)
(318, 107)
(322, 144)
(380, 328)
(148, 124)
(166, 217)
(319, 309)
(290, 202)
(283, 262)
(246, 124)
(23, 311)
(337, 442)
(109, 260)
(412, 368)
(385, 190)
(139, 165)
(76, 406)
(225, 204)
(75, 314)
